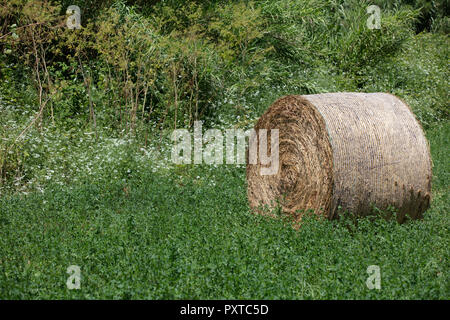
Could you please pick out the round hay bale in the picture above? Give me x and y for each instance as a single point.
(343, 152)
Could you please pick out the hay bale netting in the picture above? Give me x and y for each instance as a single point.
(351, 151)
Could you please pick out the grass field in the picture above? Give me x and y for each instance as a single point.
(184, 235)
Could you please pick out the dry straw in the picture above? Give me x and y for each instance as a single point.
(344, 152)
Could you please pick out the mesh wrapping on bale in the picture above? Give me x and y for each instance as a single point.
(346, 151)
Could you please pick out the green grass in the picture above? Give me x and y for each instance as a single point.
(188, 234)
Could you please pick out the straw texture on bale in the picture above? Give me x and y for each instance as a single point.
(344, 152)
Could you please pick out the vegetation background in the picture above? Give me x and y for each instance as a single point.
(85, 171)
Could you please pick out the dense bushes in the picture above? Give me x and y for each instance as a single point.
(170, 64)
